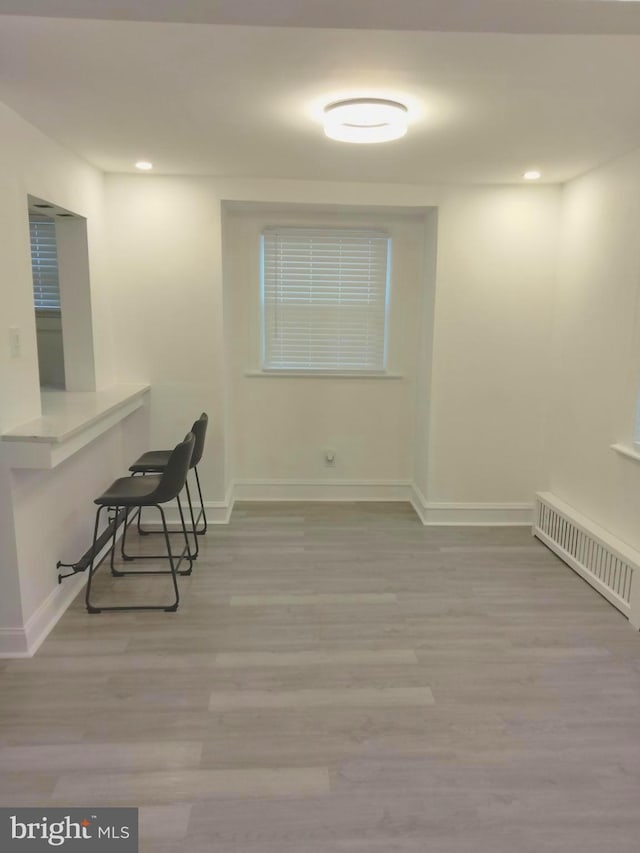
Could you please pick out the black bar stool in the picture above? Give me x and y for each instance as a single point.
(155, 461)
(137, 492)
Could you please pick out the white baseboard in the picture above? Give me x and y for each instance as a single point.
(430, 513)
(419, 503)
(322, 490)
(218, 512)
(25, 642)
(13, 643)
(470, 514)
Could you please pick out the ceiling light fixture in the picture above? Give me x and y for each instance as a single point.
(144, 165)
(533, 175)
(365, 120)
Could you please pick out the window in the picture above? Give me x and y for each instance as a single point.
(46, 300)
(44, 263)
(325, 296)
(61, 296)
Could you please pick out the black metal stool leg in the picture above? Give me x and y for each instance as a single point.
(174, 606)
(191, 556)
(193, 521)
(130, 558)
(126, 523)
(186, 552)
(169, 608)
(141, 530)
(202, 514)
(92, 566)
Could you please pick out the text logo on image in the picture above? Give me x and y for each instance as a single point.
(37, 829)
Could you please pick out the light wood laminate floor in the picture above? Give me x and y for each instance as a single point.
(340, 678)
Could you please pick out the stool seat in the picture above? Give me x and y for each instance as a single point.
(131, 491)
(154, 461)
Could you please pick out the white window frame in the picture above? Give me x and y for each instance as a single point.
(383, 283)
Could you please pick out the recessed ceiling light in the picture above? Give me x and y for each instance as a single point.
(365, 120)
(533, 175)
(144, 165)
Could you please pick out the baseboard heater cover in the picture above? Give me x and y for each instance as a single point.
(608, 564)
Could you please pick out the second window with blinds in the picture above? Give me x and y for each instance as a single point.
(325, 299)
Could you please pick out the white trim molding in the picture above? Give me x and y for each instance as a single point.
(630, 452)
(218, 512)
(319, 374)
(435, 513)
(430, 513)
(25, 642)
(322, 490)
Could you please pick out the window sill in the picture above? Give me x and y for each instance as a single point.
(318, 374)
(70, 420)
(627, 450)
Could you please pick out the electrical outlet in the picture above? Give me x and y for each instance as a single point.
(329, 458)
(15, 344)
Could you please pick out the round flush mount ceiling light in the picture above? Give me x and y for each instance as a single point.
(533, 175)
(144, 165)
(365, 120)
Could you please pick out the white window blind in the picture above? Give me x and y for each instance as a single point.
(44, 263)
(325, 295)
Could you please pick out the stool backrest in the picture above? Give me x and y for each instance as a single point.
(175, 474)
(199, 429)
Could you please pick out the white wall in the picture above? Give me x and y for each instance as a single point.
(423, 390)
(50, 351)
(164, 239)
(282, 426)
(489, 371)
(497, 250)
(31, 164)
(75, 299)
(596, 353)
(44, 515)
(10, 600)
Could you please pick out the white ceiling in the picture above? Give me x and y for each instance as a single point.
(510, 16)
(242, 98)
